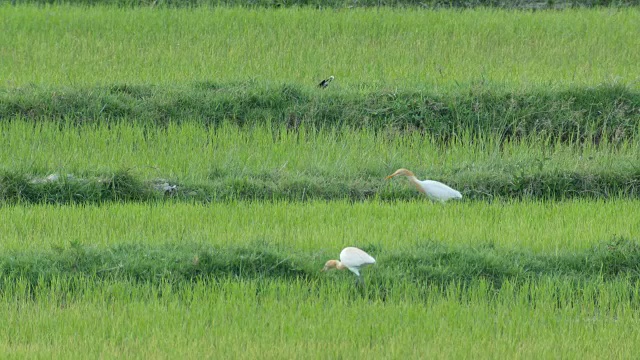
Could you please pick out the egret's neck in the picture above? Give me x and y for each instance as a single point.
(414, 180)
(339, 265)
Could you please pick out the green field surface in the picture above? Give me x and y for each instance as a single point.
(275, 320)
(444, 51)
(150, 310)
(172, 181)
(538, 226)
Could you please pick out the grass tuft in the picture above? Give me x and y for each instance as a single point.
(65, 189)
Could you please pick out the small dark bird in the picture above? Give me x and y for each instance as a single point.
(324, 83)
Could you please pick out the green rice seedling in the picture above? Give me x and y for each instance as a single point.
(275, 319)
(444, 50)
(321, 229)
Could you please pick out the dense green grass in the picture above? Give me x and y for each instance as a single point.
(275, 319)
(192, 280)
(122, 161)
(427, 263)
(122, 186)
(365, 49)
(306, 228)
(105, 98)
(578, 114)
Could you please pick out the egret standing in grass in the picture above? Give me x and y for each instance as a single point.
(351, 258)
(434, 190)
(324, 83)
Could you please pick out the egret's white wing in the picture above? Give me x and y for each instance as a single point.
(354, 257)
(439, 191)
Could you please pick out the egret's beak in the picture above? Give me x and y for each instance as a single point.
(392, 175)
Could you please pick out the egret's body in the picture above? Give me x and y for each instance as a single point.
(434, 190)
(351, 258)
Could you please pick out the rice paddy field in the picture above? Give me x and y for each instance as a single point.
(364, 48)
(172, 181)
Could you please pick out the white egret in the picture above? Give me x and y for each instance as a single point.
(351, 258)
(434, 190)
(324, 83)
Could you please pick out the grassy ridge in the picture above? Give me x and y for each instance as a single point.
(405, 49)
(122, 186)
(429, 262)
(611, 112)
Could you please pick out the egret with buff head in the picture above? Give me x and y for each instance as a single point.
(434, 190)
(351, 258)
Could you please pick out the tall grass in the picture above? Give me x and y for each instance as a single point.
(321, 229)
(275, 319)
(383, 48)
(190, 152)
